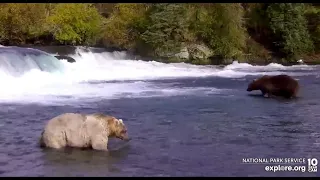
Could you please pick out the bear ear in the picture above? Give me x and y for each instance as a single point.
(120, 120)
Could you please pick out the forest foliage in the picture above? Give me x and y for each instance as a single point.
(241, 31)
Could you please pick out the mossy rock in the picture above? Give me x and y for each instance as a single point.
(199, 52)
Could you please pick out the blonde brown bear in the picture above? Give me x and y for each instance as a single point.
(82, 131)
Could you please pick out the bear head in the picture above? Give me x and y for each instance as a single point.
(252, 86)
(118, 129)
(256, 83)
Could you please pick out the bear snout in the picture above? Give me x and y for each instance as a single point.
(124, 137)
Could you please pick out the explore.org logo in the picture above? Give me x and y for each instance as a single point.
(285, 164)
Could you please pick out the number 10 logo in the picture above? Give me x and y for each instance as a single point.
(312, 164)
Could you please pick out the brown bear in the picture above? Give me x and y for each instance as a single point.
(279, 85)
(82, 131)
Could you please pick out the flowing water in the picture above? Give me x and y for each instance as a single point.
(184, 120)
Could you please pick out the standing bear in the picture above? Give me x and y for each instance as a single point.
(82, 131)
(279, 85)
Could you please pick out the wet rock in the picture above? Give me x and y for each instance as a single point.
(199, 52)
(69, 59)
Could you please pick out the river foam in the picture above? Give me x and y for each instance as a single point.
(112, 75)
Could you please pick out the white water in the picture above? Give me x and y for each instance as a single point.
(74, 82)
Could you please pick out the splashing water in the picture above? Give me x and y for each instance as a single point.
(29, 75)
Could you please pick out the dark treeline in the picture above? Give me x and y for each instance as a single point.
(208, 33)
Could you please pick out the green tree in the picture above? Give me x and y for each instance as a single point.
(289, 26)
(22, 21)
(221, 26)
(167, 28)
(105, 9)
(75, 23)
(120, 29)
(313, 17)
